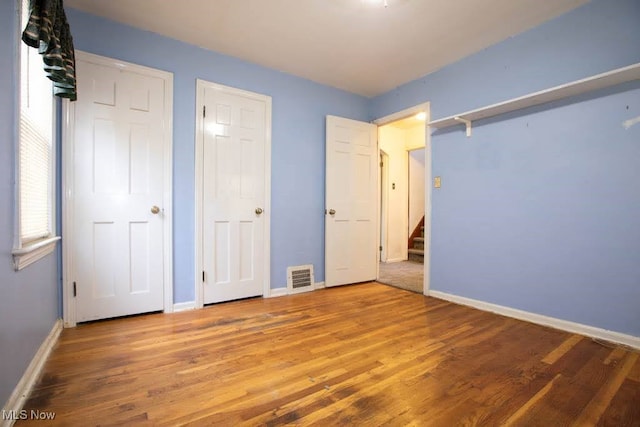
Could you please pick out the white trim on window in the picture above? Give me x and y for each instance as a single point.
(28, 255)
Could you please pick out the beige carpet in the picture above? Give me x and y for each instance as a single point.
(405, 275)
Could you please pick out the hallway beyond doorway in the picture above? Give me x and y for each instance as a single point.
(405, 275)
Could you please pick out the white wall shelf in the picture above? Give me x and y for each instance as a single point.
(599, 81)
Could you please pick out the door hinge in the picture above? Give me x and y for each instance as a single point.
(204, 111)
(380, 248)
(203, 276)
(381, 164)
(74, 289)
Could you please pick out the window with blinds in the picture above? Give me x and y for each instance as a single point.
(36, 146)
(35, 157)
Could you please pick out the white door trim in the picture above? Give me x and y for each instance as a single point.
(199, 174)
(383, 190)
(68, 123)
(428, 175)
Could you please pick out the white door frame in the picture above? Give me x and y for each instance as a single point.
(68, 124)
(428, 175)
(383, 207)
(199, 175)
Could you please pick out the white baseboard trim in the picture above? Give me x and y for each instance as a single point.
(184, 306)
(25, 385)
(392, 260)
(284, 291)
(278, 292)
(564, 325)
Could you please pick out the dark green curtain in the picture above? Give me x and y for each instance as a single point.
(48, 31)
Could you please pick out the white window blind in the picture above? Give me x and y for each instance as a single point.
(36, 145)
(35, 155)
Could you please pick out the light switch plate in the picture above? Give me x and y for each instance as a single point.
(437, 182)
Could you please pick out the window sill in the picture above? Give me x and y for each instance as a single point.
(26, 256)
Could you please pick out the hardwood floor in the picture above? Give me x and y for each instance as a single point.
(355, 355)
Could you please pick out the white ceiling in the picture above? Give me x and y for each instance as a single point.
(356, 45)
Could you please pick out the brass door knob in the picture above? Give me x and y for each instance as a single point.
(155, 210)
(258, 211)
(332, 211)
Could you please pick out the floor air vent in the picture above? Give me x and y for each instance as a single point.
(300, 278)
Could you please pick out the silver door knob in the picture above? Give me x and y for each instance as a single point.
(332, 211)
(155, 210)
(258, 211)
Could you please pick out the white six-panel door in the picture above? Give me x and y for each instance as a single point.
(351, 248)
(233, 202)
(118, 187)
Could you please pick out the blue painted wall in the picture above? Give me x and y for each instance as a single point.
(28, 298)
(540, 210)
(299, 109)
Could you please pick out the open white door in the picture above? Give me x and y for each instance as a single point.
(351, 248)
(118, 182)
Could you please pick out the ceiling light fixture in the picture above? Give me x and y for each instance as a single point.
(422, 116)
(384, 3)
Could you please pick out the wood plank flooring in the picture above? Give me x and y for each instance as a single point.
(364, 354)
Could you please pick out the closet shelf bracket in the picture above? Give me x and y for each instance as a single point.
(466, 122)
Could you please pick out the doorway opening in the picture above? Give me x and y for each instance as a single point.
(404, 198)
